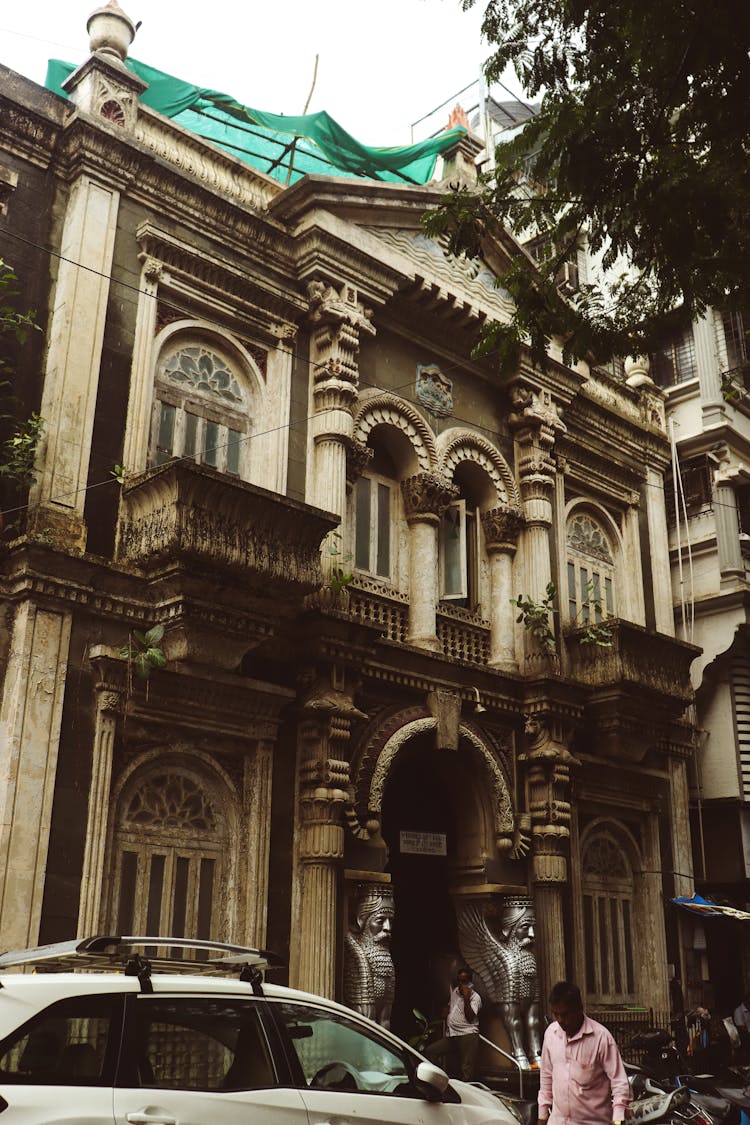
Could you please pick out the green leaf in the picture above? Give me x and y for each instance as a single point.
(154, 635)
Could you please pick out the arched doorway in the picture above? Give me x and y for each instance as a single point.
(433, 816)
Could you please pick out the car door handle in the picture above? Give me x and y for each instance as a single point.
(156, 1118)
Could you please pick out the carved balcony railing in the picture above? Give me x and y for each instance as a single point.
(636, 660)
(463, 634)
(374, 603)
(183, 512)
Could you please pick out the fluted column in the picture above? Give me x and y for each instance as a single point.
(726, 517)
(109, 704)
(501, 528)
(138, 424)
(426, 496)
(337, 320)
(257, 799)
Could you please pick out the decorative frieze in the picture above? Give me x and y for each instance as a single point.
(184, 510)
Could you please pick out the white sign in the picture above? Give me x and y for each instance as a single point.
(423, 843)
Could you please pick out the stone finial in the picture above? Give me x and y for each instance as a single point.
(111, 32)
(638, 371)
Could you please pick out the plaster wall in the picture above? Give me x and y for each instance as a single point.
(717, 762)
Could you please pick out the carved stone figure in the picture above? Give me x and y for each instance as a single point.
(368, 966)
(505, 967)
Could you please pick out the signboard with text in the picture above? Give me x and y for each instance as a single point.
(423, 843)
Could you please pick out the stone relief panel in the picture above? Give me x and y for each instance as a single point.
(369, 980)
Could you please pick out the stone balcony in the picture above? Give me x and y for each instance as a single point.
(187, 513)
(640, 662)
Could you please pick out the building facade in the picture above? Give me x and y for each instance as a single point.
(265, 432)
(702, 371)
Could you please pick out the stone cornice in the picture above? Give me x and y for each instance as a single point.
(28, 134)
(193, 271)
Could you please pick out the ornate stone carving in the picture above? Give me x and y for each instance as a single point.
(384, 409)
(585, 535)
(368, 967)
(185, 510)
(457, 445)
(541, 746)
(434, 390)
(501, 527)
(337, 320)
(504, 964)
(358, 457)
(427, 494)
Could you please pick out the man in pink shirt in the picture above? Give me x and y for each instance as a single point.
(582, 1079)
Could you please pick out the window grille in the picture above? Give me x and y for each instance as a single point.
(675, 361)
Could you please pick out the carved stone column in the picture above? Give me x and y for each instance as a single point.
(547, 764)
(30, 718)
(322, 787)
(536, 424)
(426, 496)
(338, 321)
(501, 528)
(109, 703)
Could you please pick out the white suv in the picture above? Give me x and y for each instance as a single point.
(190, 1047)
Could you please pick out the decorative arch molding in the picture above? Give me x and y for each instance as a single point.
(384, 409)
(456, 445)
(621, 836)
(598, 513)
(190, 761)
(388, 741)
(210, 333)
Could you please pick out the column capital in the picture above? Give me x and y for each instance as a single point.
(358, 458)
(427, 495)
(502, 526)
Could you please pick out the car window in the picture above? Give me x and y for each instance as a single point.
(337, 1053)
(72, 1043)
(188, 1043)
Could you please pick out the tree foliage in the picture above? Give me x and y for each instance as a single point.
(642, 144)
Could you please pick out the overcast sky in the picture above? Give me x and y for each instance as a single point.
(383, 63)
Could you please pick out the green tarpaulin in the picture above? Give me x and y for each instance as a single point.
(315, 142)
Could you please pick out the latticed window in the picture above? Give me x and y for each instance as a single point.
(201, 410)
(607, 884)
(675, 361)
(591, 571)
(170, 844)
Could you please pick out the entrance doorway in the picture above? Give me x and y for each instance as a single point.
(427, 795)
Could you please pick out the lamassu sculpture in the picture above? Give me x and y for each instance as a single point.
(368, 965)
(506, 969)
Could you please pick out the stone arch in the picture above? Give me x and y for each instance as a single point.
(221, 809)
(384, 409)
(599, 514)
(392, 736)
(456, 445)
(210, 333)
(619, 834)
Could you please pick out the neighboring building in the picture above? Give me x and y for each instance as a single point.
(703, 370)
(270, 363)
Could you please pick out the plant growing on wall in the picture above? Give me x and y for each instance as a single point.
(536, 619)
(339, 576)
(143, 654)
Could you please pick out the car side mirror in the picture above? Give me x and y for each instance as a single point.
(431, 1081)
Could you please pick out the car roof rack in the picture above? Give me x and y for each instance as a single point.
(140, 956)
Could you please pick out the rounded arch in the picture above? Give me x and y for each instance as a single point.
(172, 844)
(581, 505)
(384, 409)
(456, 445)
(617, 834)
(375, 766)
(210, 334)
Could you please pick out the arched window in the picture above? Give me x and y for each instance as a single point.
(201, 409)
(591, 571)
(170, 841)
(607, 885)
